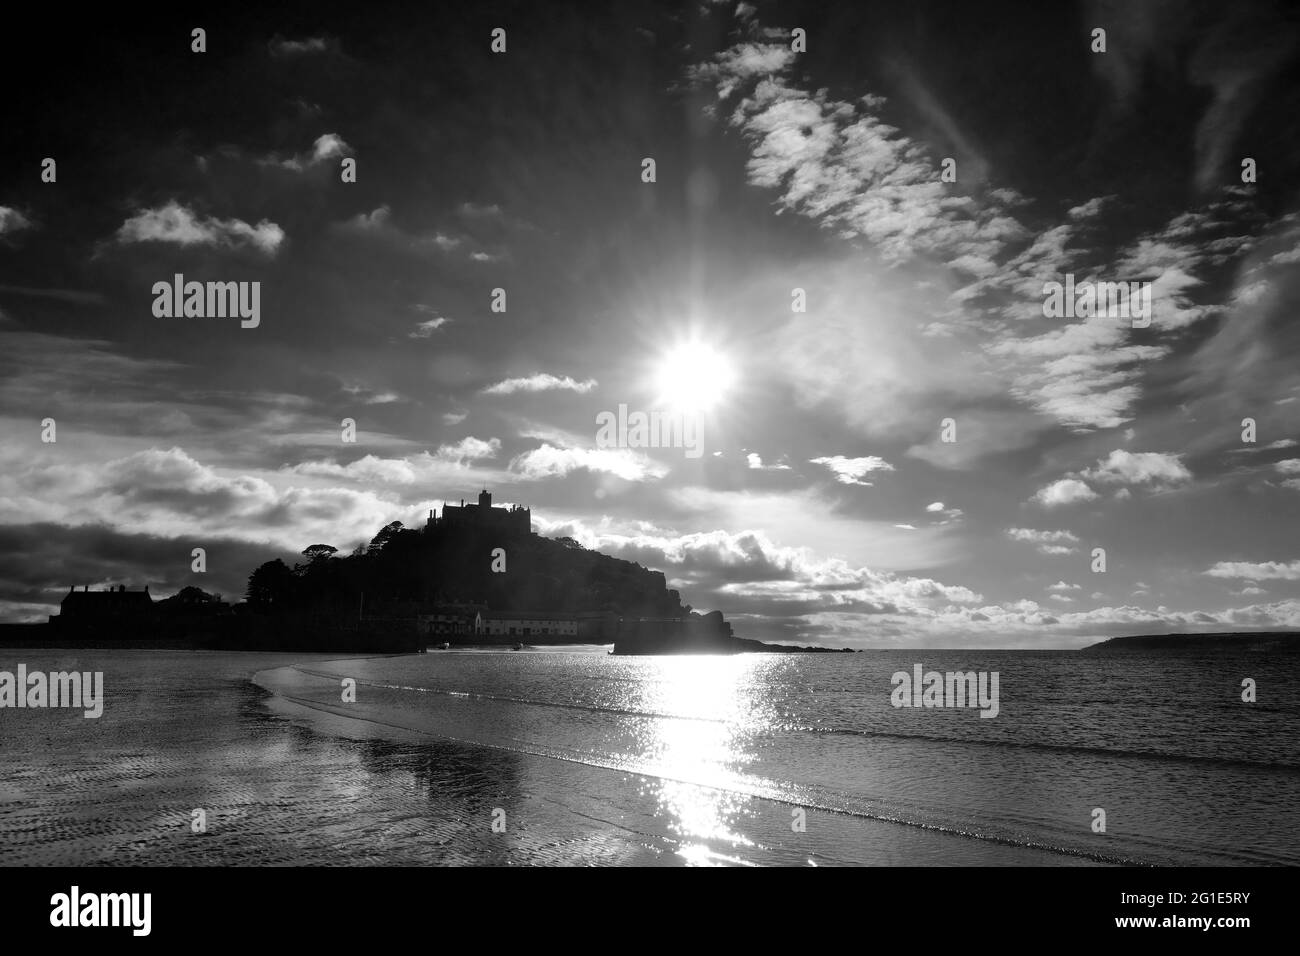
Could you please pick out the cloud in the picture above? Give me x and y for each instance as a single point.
(1066, 491)
(948, 515)
(1288, 466)
(1272, 446)
(851, 471)
(982, 432)
(424, 329)
(368, 469)
(748, 573)
(377, 220)
(479, 211)
(1265, 571)
(745, 61)
(1234, 65)
(755, 462)
(1047, 542)
(288, 48)
(40, 561)
(836, 603)
(815, 514)
(370, 396)
(378, 225)
(838, 163)
(88, 381)
(75, 296)
(1140, 468)
(1026, 624)
(450, 463)
(1087, 374)
(1062, 586)
(174, 223)
(470, 449)
(1233, 52)
(11, 220)
(540, 382)
(167, 493)
(327, 147)
(550, 461)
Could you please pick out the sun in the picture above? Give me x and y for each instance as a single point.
(693, 377)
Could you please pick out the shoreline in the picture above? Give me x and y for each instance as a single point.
(652, 761)
(284, 782)
(346, 722)
(39, 635)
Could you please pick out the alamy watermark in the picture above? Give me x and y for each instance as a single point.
(209, 300)
(75, 908)
(59, 689)
(1119, 300)
(951, 689)
(654, 429)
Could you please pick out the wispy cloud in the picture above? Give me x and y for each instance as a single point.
(540, 382)
(75, 296)
(426, 327)
(1062, 586)
(380, 225)
(281, 47)
(1256, 571)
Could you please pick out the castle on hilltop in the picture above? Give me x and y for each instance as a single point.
(482, 516)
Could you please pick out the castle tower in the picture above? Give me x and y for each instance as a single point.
(485, 499)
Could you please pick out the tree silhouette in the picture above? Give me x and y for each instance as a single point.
(192, 595)
(386, 534)
(270, 583)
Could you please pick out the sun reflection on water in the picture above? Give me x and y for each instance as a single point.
(702, 750)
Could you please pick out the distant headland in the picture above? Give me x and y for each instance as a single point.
(1209, 642)
(475, 575)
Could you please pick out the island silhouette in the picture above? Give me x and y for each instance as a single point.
(475, 575)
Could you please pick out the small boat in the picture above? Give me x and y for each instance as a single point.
(519, 647)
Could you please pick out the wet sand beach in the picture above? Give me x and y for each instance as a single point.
(283, 785)
(570, 757)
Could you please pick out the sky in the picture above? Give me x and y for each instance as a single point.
(838, 260)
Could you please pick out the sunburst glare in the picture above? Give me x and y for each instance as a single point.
(693, 376)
